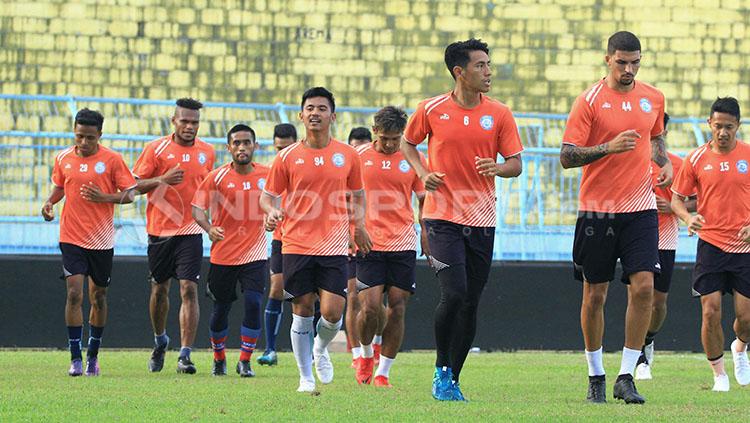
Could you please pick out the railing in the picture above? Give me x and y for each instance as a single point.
(536, 212)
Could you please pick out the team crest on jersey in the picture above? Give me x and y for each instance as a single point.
(202, 158)
(338, 160)
(261, 183)
(486, 122)
(742, 166)
(645, 105)
(403, 166)
(100, 167)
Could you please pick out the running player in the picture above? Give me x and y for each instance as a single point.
(284, 135)
(606, 134)
(170, 170)
(718, 173)
(390, 266)
(316, 173)
(92, 178)
(467, 131)
(230, 195)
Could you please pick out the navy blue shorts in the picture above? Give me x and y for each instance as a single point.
(304, 274)
(274, 262)
(663, 280)
(452, 244)
(602, 238)
(351, 266)
(717, 270)
(96, 264)
(176, 257)
(389, 268)
(223, 280)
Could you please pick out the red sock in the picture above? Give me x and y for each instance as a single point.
(247, 348)
(218, 345)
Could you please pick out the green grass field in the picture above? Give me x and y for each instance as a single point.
(545, 386)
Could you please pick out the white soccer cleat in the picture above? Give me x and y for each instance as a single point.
(721, 383)
(648, 351)
(741, 365)
(306, 385)
(323, 367)
(643, 372)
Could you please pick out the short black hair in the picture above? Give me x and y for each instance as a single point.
(457, 54)
(666, 119)
(89, 118)
(728, 105)
(623, 41)
(360, 133)
(240, 127)
(390, 119)
(189, 103)
(319, 92)
(285, 130)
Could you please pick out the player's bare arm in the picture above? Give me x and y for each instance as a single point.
(273, 214)
(215, 233)
(574, 156)
(422, 229)
(91, 192)
(659, 156)
(173, 176)
(48, 208)
(357, 207)
(511, 168)
(431, 180)
(694, 222)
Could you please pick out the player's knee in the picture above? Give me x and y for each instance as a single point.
(189, 294)
(98, 298)
(160, 291)
(396, 311)
(711, 313)
(595, 299)
(75, 297)
(743, 325)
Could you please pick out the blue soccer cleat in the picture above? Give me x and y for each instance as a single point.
(457, 394)
(268, 358)
(76, 367)
(442, 384)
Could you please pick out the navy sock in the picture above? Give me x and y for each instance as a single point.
(95, 340)
(253, 302)
(162, 340)
(75, 333)
(274, 311)
(185, 352)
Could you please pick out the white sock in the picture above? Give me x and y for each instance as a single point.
(326, 332)
(356, 352)
(384, 368)
(377, 339)
(594, 359)
(629, 360)
(301, 335)
(367, 351)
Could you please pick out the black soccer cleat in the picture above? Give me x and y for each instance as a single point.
(156, 363)
(597, 390)
(625, 390)
(220, 368)
(244, 369)
(184, 365)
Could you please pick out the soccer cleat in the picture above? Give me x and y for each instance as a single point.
(597, 389)
(741, 365)
(244, 369)
(268, 358)
(220, 368)
(376, 352)
(184, 365)
(323, 367)
(76, 367)
(648, 351)
(442, 382)
(721, 383)
(363, 373)
(643, 372)
(456, 391)
(306, 385)
(92, 366)
(625, 390)
(156, 363)
(381, 381)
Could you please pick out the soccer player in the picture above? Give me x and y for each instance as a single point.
(390, 266)
(718, 173)
(230, 195)
(170, 169)
(669, 226)
(92, 178)
(316, 174)
(284, 135)
(606, 134)
(467, 131)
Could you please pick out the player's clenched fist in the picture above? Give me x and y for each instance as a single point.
(273, 219)
(48, 211)
(433, 180)
(695, 224)
(624, 141)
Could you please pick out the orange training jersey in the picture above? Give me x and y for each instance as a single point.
(389, 183)
(233, 202)
(722, 183)
(669, 223)
(316, 181)
(616, 183)
(456, 136)
(84, 223)
(168, 211)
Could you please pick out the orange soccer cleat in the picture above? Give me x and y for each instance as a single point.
(382, 381)
(363, 373)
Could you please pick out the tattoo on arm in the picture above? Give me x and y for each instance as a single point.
(574, 156)
(659, 151)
